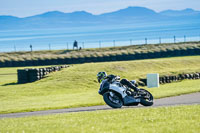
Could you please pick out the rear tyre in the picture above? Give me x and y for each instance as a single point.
(147, 99)
(113, 100)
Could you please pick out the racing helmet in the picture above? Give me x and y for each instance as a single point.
(101, 76)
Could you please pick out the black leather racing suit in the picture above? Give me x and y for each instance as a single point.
(129, 84)
(123, 82)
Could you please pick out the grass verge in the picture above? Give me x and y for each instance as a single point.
(177, 119)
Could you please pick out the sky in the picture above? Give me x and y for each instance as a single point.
(24, 8)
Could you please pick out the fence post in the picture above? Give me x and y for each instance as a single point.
(15, 48)
(114, 43)
(130, 41)
(174, 39)
(160, 40)
(145, 40)
(184, 38)
(67, 46)
(83, 45)
(99, 44)
(49, 47)
(199, 38)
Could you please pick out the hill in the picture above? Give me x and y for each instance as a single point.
(56, 19)
(185, 12)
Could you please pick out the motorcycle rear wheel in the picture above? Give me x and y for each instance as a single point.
(148, 99)
(113, 101)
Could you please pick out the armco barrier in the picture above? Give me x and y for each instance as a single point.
(31, 75)
(172, 78)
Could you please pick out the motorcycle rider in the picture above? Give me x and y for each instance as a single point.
(102, 76)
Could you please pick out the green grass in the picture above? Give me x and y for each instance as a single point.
(177, 119)
(77, 85)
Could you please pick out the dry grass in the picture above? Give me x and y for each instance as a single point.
(60, 54)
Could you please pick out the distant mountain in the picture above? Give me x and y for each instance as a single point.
(185, 12)
(60, 15)
(131, 14)
(56, 19)
(9, 22)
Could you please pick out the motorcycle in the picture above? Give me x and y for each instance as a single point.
(117, 95)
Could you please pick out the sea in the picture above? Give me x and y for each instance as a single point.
(98, 36)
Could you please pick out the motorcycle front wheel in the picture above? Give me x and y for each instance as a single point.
(112, 99)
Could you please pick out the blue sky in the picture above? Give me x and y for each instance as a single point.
(23, 8)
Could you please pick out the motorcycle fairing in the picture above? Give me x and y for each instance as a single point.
(118, 89)
(128, 100)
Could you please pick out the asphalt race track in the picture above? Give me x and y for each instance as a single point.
(187, 99)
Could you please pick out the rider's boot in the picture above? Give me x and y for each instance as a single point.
(133, 87)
